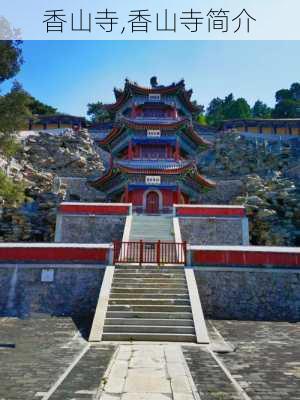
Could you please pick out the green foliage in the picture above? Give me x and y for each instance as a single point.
(36, 107)
(8, 145)
(10, 58)
(261, 110)
(288, 102)
(201, 119)
(238, 109)
(14, 111)
(98, 113)
(228, 108)
(11, 192)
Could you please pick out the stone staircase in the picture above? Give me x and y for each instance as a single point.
(149, 304)
(152, 228)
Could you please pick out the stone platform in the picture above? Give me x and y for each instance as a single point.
(49, 358)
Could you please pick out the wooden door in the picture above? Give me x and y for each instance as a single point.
(152, 203)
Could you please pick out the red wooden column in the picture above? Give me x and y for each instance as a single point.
(177, 150)
(178, 195)
(126, 195)
(130, 153)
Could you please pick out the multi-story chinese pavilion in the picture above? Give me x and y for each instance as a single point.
(153, 147)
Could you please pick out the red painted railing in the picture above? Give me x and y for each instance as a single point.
(142, 252)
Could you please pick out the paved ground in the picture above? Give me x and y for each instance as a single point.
(266, 362)
(148, 372)
(36, 353)
(49, 358)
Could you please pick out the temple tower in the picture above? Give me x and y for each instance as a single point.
(153, 146)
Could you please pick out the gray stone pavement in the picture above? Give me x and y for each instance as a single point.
(36, 353)
(49, 358)
(148, 372)
(266, 360)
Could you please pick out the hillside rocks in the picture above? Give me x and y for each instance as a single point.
(233, 155)
(72, 154)
(273, 208)
(43, 159)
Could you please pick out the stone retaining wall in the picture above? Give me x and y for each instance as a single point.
(89, 228)
(213, 231)
(73, 291)
(249, 293)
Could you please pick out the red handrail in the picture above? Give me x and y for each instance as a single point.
(141, 252)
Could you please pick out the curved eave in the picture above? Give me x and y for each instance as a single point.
(131, 88)
(205, 181)
(111, 136)
(197, 138)
(103, 179)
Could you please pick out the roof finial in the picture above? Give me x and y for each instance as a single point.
(153, 81)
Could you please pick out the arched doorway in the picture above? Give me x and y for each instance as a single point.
(152, 203)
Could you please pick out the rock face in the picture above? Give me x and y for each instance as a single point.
(273, 207)
(43, 159)
(265, 185)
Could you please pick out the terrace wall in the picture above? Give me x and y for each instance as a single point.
(255, 294)
(91, 222)
(213, 225)
(74, 290)
(248, 282)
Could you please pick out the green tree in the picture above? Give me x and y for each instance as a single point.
(261, 110)
(215, 112)
(201, 119)
(238, 109)
(228, 108)
(10, 58)
(288, 102)
(283, 94)
(98, 112)
(38, 108)
(14, 110)
(287, 108)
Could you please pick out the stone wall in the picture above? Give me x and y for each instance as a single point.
(74, 290)
(89, 228)
(212, 231)
(252, 294)
(77, 189)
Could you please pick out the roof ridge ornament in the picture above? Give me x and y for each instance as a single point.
(154, 82)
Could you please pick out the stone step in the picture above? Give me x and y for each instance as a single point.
(148, 329)
(138, 285)
(171, 268)
(133, 295)
(154, 337)
(149, 315)
(146, 302)
(148, 270)
(150, 307)
(149, 321)
(148, 280)
(156, 275)
(148, 291)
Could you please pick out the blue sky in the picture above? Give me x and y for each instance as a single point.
(70, 74)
